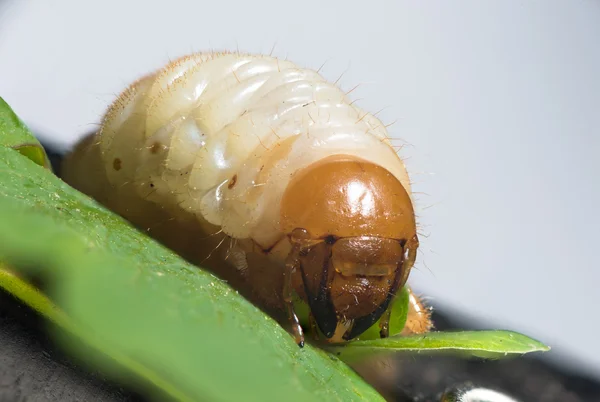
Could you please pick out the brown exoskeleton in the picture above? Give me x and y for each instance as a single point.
(353, 234)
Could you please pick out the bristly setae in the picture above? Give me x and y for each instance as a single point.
(270, 176)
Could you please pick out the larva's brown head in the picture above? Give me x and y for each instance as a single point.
(352, 226)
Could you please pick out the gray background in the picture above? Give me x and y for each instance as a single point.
(497, 102)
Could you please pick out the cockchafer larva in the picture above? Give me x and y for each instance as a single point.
(268, 175)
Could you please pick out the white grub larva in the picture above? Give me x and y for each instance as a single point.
(267, 174)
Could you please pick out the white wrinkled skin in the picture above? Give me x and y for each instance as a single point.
(185, 132)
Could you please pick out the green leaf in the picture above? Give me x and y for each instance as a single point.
(14, 134)
(146, 310)
(488, 344)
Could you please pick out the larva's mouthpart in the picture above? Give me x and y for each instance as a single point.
(207, 148)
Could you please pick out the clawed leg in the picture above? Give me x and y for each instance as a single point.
(288, 291)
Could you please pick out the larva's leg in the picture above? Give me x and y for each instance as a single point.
(288, 291)
(419, 316)
(384, 322)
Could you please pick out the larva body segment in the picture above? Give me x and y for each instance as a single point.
(205, 149)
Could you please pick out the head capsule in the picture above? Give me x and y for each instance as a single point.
(352, 226)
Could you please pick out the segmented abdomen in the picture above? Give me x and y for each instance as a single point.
(218, 136)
